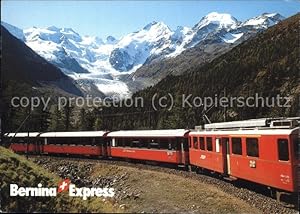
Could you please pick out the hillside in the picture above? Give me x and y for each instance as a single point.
(266, 65)
(151, 73)
(25, 74)
(16, 169)
(21, 64)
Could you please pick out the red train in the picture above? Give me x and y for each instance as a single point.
(264, 151)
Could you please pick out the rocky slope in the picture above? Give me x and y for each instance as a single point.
(141, 189)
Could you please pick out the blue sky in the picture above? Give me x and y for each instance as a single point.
(117, 18)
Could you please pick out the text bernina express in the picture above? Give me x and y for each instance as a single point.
(39, 191)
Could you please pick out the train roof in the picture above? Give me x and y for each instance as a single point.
(268, 131)
(22, 134)
(149, 133)
(280, 122)
(74, 134)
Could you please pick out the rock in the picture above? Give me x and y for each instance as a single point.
(122, 206)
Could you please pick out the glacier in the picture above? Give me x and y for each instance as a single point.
(102, 63)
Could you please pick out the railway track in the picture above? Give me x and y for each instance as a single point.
(255, 195)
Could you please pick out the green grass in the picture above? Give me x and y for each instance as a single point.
(17, 169)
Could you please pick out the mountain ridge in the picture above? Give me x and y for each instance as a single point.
(110, 61)
(266, 65)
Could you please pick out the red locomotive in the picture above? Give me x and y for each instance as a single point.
(264, 151)
(251, 150)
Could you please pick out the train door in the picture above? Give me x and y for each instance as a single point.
(37, 146)
(105, 147)
(186, 151)
(41, 145)
(183, 148)
(182, 151)
(109, 142)
(226, 155)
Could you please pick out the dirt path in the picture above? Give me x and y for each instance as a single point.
(141, 190)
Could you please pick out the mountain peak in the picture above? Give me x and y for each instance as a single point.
(148, 26)
(53, 28)
(271, 14)
(223, 20)
(68, 30)
(156, 24)
(111, 40)
(265, 20)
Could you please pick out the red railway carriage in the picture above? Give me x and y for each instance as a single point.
(27, 142)
(92, 143)
(169, 146)
(268, 156)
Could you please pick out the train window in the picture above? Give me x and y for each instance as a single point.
(122, 142)
(172, 144)
(283, 149)
(65, 140)
(164, 143)
(93, 141)
(236, 146)
(297, 148)
(176, 144)
(190, 142)
(154, 144)
(252, 147)
(119, 142)
(209, 144)
(135, 143)
(126, 142)
(202, 145)
(49, 141)
(81, 140)
(195, 143)
(143, 143)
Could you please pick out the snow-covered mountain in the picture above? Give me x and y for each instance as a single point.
(102, 63)
(264, 21)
